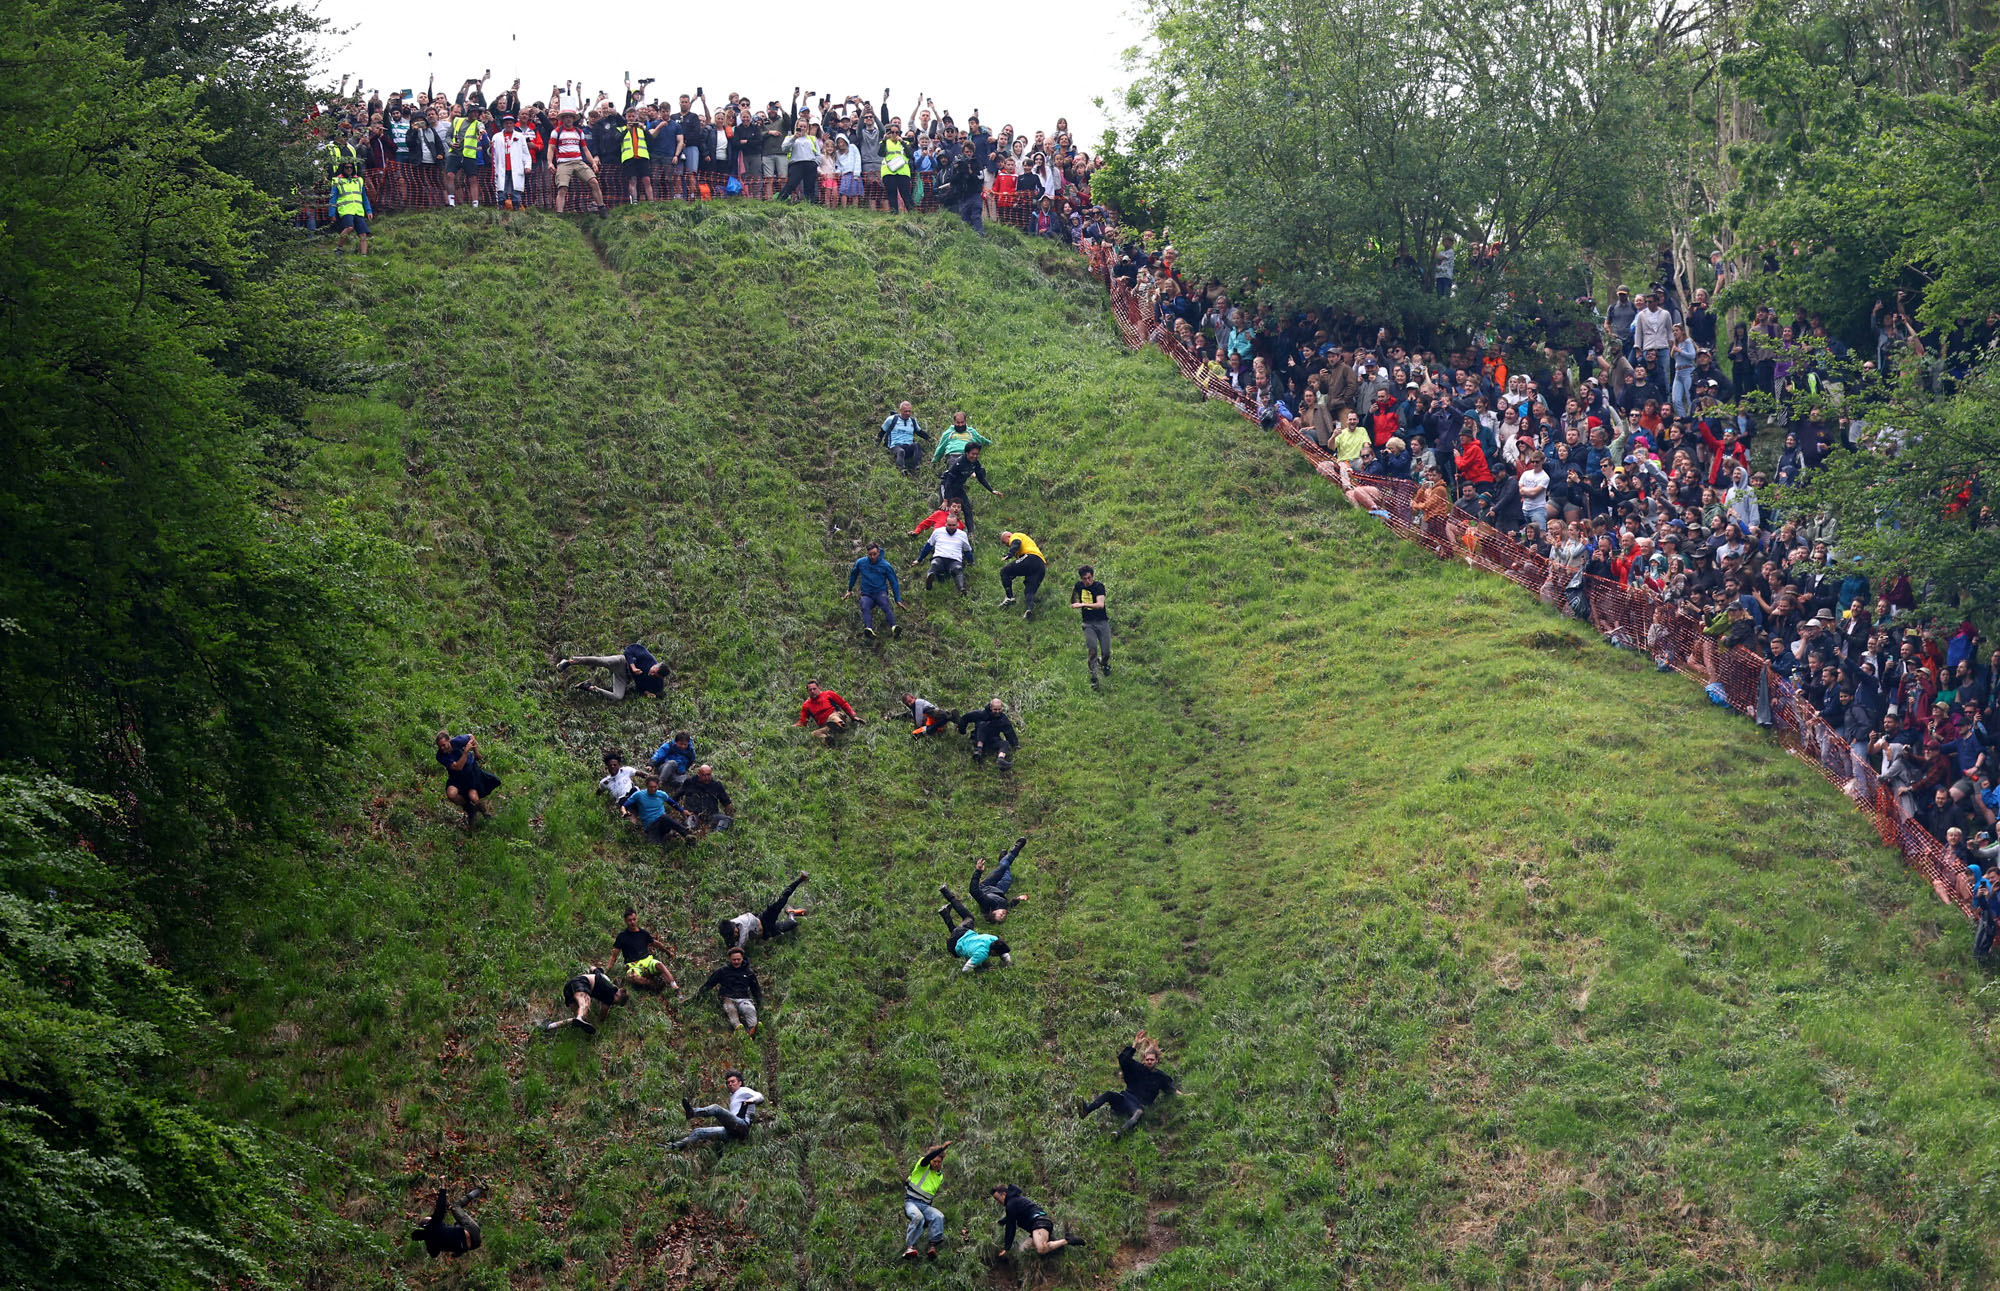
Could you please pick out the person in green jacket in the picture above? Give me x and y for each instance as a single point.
(954, 441)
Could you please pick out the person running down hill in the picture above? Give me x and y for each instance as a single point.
(1024, 561)
(1139, 1064)
(952, 487)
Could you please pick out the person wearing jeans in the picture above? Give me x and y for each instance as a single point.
(731, 1122)
(989, 891)
(919, 1191)
(880, 590)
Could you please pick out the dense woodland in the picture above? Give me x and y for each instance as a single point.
(178, 646)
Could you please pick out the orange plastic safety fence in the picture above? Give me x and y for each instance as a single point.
(1631, 617)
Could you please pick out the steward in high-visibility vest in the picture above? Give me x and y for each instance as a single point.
(632, 143)
(466, 134)
(919, 1190)
(347, 205)
(339, 152)
(895, 157)
(896, 177)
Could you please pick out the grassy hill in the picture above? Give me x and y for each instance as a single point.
(1488, 956)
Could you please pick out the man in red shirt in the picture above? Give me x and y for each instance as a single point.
(569, 149)
(826, 712)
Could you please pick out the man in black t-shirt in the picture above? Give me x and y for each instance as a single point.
(644, 971)
(460, 1237)
(1087, 595)
(592, 985)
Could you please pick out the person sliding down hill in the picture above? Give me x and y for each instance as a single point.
(955, 441)
(1139, 1064)
(655, 812)
(899, 434)
(633, 668)
(929, 524)
(777, 919)
(992, 732)
(460, 1237)
(732, 1122)
(593, 985)
(919, 1191)
(951, 552)
(1024, 1215)
(880, 590)
(644, 969)
(926, 718)
(736, 983)
(960, 939)
(1024, 561)
(951, 486)
(828, 713)
(989, 892)
(467, 785)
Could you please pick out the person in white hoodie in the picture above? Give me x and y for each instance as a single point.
(951, 551)
(512, 160)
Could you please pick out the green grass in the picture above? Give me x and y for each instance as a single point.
(1489, 957)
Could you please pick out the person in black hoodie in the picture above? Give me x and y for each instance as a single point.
(990, 891)
(1139, 1064)
(460, 1237)
(736, 983)
(1022, 1215)
(991, 730)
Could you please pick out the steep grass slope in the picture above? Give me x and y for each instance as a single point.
(1487, 956)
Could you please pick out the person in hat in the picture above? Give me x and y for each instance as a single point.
(347, 205)
(513, 157)
(570, 151)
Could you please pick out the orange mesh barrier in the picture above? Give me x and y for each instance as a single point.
(1633, 617)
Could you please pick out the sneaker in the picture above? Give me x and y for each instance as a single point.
(910, 1254)
(1020, 842)
(472, 1196)
(562, 665)
(588, 1028)
(896, 630)
(930, 581)
(1083, 1107)
(450, 200)
(1094, 683)
(1105, 667)
(475, 203)
(581, 685)
(941, 889)
(931, 1254)
(943, 909)
(1072, 1238)
(1027, 614)
(1006, 600)
(687, 1106)
(869, 633)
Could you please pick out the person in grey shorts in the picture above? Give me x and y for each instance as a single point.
(1087, 595)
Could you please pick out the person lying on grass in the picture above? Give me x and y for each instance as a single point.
(1020, 1214)
(1139, 1064)
(919, 1191)
(592, 986)
(960, 939)
(736, 983)
(460, 1237)
(777, 919)
(990, 891)
(644, 969)
(632, 669)
(732, 1123)
(826, 712)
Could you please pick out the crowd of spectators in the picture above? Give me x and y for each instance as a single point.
(433, 148)
(1634, 447)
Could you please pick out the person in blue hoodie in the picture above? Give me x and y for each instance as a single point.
(879, 588)
(632, 669)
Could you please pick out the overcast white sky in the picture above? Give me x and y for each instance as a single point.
(1021, 61)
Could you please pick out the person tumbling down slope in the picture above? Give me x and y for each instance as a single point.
(1139, 1064)
(960, 938)
(992, 732)
(1022, 1215)
(826, 712)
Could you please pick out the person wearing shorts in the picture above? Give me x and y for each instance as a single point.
(592, 987)
(644, 969)
(736, 983)
(569, 148)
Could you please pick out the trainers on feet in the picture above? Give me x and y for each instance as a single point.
(896, 630)
(869, 633)
(911, 1254)
(588, 1028)
(687, 1107)
(1006, 600)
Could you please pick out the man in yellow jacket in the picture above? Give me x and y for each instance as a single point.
(1024, 561)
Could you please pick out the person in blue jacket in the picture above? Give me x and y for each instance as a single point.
(899, 434)
(961, 939)
(632, 669)
(675, 758)
(879, 587)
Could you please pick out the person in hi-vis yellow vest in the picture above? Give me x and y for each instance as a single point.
(347, 205)
(919, 1191)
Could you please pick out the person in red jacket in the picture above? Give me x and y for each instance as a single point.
(826, 712)
(1722, 449)
(1383, 423)
(1471, 463)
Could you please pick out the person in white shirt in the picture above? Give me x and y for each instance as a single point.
(951, 551)
(512, 160)
(1653, 335)
(732, 1122)
(617, 781)
(847, 169)
(801, 152)
(1534, 485)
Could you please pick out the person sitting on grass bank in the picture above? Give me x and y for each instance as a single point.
(731, 1123)
(618, 779)
(880, 590)
(900, 433)
(992, 732)
(951, 552)
(632, 669)
(460, 1237)
(777, 919)
(706, 800)
(675, 758)
(826, 712)
(1139, 1064)
(592, 986)
(467, 784)
(961, 939)
(656, 812)
(736, 983)
(920, 1190)
(1022, 1215)
(640, 949)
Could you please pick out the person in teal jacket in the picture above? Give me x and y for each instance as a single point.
(961, 939)
(955, 440)
(880, 589)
